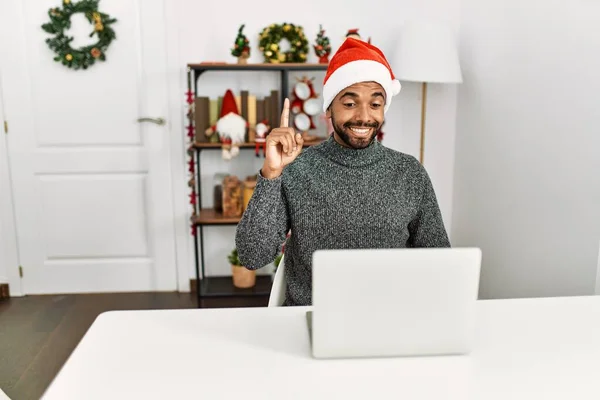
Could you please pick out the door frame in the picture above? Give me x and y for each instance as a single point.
(9, 256)
(176, 80)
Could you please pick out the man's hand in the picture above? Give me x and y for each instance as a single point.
(283, 146)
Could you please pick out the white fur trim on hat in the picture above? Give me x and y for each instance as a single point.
(360, 71)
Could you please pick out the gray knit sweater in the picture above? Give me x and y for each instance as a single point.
(333, 197)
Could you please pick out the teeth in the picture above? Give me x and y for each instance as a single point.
(360, 131)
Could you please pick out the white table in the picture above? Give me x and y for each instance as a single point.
(525, 349)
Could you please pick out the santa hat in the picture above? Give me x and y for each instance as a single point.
(357, 61)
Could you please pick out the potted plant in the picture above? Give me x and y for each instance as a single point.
(242, 276)
(277, 261)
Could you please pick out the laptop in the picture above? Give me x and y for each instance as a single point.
(393, 302)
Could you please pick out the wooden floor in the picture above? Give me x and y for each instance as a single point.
(38, 333)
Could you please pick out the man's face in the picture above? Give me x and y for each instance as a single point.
(357, 113)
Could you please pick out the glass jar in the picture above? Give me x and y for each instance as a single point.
(218, 192)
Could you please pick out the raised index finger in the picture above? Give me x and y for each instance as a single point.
(285, 114)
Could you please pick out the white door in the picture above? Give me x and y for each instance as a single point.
(92, 185)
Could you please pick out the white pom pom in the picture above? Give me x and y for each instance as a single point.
(235, 151)
(396, 87)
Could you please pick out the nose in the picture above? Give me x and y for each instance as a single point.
(363, 114)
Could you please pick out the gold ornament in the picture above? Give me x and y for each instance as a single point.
(274, 46)
(68, 57)
(99, 27)
(281, 57)
(286, 28)
(268, 53)
(96, 17)
(67, 1)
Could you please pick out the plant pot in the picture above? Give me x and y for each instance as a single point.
(243, 59)
(242, 277)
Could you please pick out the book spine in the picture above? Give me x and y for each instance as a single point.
(201, 118)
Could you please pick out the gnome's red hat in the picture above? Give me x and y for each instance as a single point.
(228, 105)
(357, 61)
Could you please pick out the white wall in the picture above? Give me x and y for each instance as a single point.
(198, 41)
(527, 177)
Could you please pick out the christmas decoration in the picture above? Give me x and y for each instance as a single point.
(241, 47)
(270, 38)
(60, 21)
(262, 129)
(230, 127)
(322, 46)
(380, 133)
(353, 33)
(305, 105)
(191, 150)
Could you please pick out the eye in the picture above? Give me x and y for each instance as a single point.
(349, 104)
(376, 105)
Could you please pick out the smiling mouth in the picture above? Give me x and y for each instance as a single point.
(360, 131)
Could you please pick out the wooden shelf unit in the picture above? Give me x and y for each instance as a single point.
(223, 286)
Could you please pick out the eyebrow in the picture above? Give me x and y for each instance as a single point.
(354, 95)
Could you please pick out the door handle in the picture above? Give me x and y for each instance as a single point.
(157, 121)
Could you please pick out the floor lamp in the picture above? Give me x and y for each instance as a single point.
(426, 52)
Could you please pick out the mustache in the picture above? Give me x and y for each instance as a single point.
(361, 125)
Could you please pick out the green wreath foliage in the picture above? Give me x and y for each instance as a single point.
(60, 21)
(272, 35)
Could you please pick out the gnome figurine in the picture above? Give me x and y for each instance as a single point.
(231, 127)
(262, 129)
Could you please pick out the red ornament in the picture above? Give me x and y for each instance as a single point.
(190, 97)
(193, 198)
(190, 131)
(191, 166)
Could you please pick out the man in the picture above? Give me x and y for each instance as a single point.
(348, 192)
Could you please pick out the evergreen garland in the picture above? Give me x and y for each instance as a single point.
(60, 21)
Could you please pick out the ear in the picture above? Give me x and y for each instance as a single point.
(328, 112)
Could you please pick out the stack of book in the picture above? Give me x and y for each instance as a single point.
(254, 110)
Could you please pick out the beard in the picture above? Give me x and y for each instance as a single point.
(354, 142)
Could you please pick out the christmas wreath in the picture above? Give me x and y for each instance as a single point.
(270, 39)
(60, 21)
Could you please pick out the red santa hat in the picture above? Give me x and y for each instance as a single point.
(357, 61)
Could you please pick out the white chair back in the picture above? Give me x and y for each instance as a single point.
(277, 296)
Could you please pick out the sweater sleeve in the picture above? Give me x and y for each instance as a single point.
(427, 228)
(264, 224)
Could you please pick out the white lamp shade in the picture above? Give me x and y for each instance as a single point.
(426, 52)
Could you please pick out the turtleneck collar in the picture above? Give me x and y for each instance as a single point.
(351, 157)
